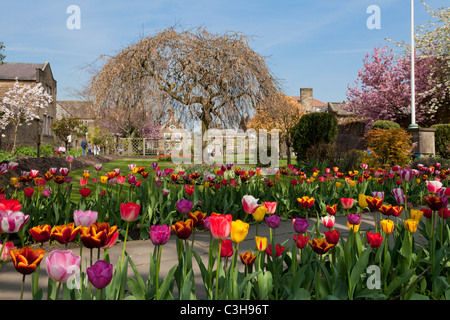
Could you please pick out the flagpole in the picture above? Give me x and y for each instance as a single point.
(413, 84)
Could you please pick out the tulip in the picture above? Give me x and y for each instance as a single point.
(353, 227)
(416, 214)
(306, 202)
(84, 218)
(354, 218)
(332, 210)
(261, 243)
(328, 221)
(433, 186)
(428, 213)
(99, 235)
(347, 203)
(12, 221)
(239, 231)
(434, 203)
(184, 206)
(271, 207)
(197, 217)
(159, 234)
(220, 226)
(250, 204)
(444, 213)
(100, 274)
(28, 192)
(189, 189)
(259, 213)
(320, 246)
(399, 195)
(226, 249)
(41, 233)
(10, 204)
(85, 192)
(183, 229)
(64, 171)
(332, 236)
(300, 225)
(206, 223)
(301, 240)
(98, 166)
(362, 201)
(378, 194)
(129, 211)
(61, 265)
(374, 239)
(411, 225)
(26, 260)
(406, 174)
(374, 203)
(278, 250)
(273, 221)
(7, 247)
(387, 226)
(247, 258)
(65, 233)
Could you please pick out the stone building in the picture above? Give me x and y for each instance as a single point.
(308, 103)
(39, 132)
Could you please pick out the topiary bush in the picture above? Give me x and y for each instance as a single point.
(385, 124)
(442, 140)
(313, 128)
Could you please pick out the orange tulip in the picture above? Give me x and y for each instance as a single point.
(41, 233)
(65, 233)
(26, 260)
(374, 203)
(247, 258)
(320, 246)
(99, 235)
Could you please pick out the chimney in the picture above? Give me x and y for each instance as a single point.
(306, 99)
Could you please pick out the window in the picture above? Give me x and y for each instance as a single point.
(167, 135)
(44, 125)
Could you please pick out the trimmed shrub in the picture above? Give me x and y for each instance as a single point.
(442, 140)
(313, 128)
(385, 124)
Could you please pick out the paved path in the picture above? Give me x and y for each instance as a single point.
(140, 251)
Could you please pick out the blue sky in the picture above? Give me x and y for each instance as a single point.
(318, 44)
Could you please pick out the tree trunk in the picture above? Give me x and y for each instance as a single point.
(288, 150)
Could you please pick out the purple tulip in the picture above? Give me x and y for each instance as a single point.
(159, 234)
(100, 274)
(300, 225)
(399, 195)
(158, 183)
(84, 218)
(406, 174)
(206, 223)
(184, 206)
(273, 221)
(154, 165)
(354, 218)
(378, 194)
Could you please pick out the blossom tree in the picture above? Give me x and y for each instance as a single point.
(21, 105)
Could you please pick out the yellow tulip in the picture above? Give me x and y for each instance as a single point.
(418, 180)
(411, 225)
(416, 214)
(104, 179)
(387, 226)
(14, 181)
(362, 201)
(85, 175)
(338, 184)
(259, 213)
(261, 243)
(239, 230)
(355, 227)
(352, 183)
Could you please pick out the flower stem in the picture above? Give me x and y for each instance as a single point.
(124, 244)
(218, 268)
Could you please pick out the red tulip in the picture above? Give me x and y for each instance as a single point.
(374, 239)
(183, 229)
(226, 249)
(28, 192)
(85, 192)
(41, 233)
(129, 211)
(220, 225)
(271, 207)
(331, 210)
(332, 236)
(247, 258)
(347, 203)
(278, 250)
(301, 241)
(65, 233)
(10, 204)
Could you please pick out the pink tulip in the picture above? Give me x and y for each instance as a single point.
(12, 221)
(84, 182)
(399, 195)
(434, 186)
(84, 218)
(34, 173)
(129, 211)
(271, 207)
(406, 174)
(347, 203)
(53, 171)
(61, 265)
(70, 158)
(12, 165)
(250, 204)
(98, 166)
(6, 249)
(328, 221)
(64, 171)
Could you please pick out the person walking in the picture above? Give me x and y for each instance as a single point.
(83, 147)
(89, 148)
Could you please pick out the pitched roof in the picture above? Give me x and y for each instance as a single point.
(21, 71)
(316, 103)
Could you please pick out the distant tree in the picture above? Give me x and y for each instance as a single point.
(65, 127)
(2, 56)
(214, 78)
(281, 113)
(20, 106)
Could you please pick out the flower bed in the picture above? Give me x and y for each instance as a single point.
(385, 263)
